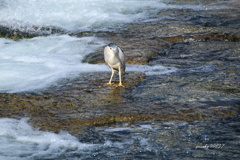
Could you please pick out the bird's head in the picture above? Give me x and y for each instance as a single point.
(113, 47)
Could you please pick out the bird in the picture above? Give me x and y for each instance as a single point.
(115, 59)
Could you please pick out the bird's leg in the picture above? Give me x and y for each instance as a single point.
(120, 78)
(110, 81)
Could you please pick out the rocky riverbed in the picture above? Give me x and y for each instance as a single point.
(204, 46)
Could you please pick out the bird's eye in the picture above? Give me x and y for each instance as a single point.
(110, 48)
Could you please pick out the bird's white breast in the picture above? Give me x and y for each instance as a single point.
(111, 58)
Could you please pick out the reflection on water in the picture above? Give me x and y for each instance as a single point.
(217, 139)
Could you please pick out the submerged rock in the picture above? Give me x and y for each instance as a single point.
(16, 34)
(142, 42)
(207, 72)
(86, 100)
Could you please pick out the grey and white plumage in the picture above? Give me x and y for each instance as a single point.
(115, 58)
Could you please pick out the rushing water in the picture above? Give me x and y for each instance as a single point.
(79, 15)
(146, 140)
(74, 15)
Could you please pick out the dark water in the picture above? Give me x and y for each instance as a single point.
(158, 139)
(218, 139)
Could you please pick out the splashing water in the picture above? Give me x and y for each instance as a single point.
(142, 140)
(19, 139)
(36, 63)
(73, 15)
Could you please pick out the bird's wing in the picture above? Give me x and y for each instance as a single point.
(122, 58)
(105, 54)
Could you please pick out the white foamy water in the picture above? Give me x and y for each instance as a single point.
(36, 63)
(74, 15)
(80, 15)
(20, 141)
(152, 70)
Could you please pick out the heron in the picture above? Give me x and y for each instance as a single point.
(115, 59)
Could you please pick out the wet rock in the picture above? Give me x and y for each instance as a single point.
(12, 33)
(86, 100)
(142, 42)
(207, 72)
(90, 135)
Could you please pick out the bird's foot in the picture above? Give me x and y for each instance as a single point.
(110, 84)
(120, 85)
